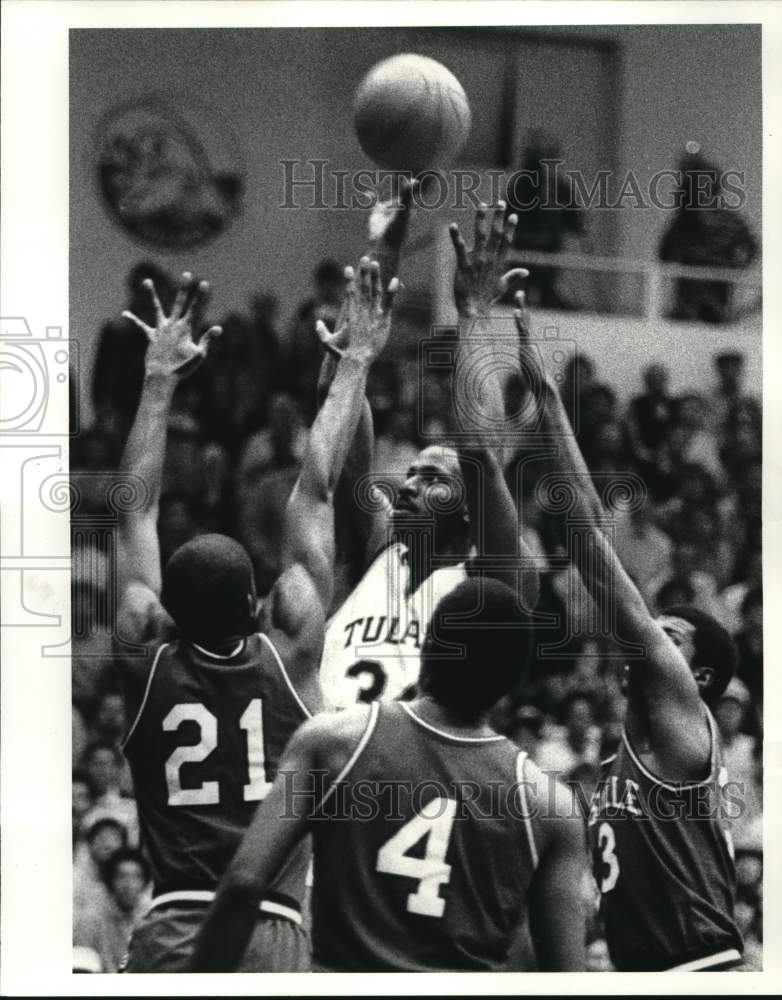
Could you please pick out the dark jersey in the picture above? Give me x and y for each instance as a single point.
(203, 752)
(423, 851)
(663, 861)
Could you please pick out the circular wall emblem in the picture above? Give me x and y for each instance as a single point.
(169, 171)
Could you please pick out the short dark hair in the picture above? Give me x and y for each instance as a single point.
(105, 823)
(206, 583)
(714, 648)
(493, 639)
(120, 857)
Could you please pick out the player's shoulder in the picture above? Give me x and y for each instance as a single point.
(543, 786)
(553, 807)
(336, 729)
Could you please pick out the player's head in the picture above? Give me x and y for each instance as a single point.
(209, 590)
(433, 494)
(476, 648)
(706, 646)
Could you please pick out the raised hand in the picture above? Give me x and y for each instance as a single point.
(479, 279)
(388, 222)
(172, 349)
(364, 321)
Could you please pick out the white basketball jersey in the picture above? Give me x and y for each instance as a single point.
(373, 643)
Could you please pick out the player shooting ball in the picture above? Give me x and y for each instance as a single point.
(214, 699)
(452, 517)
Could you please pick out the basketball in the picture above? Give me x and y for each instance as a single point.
(411, 113)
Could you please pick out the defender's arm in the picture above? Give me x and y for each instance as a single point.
(171, 355)
(670, 694)
(494, 522)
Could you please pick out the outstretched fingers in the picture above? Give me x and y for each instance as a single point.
(515, 274)
(160, 316)
(350, 287)
(390, 295)
(496, 245)
(205, 342)
(462, 260)
(127, 314)
(365, 278)
(198, 301)
(482, 226)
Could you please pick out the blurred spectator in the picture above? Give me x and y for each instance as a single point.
(576, 741)
(690, 440)
(184, 472)
(700, 585)
(577, 381)
(394, 448)
(738, 748)
(79, 738)
(103, 762)
(543, 199)
(110, 726)
(91, 624)
(524, 728)
(704, 233)
(303, 361)
(106, 927)
(82, 799)
(729, 397)
(102, 838)
(649, 415)
(749, 642)
(244, 372)
(267, 471)
(177, 523)
(645, 549)
(749, 574)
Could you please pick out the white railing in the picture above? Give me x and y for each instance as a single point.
(658, 277)
(650, 297)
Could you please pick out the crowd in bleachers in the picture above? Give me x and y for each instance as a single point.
(235, 442)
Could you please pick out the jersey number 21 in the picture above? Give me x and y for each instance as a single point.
(208, 792)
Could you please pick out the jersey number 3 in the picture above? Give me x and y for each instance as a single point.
(434, 822)
(208, 792)
(606, 841)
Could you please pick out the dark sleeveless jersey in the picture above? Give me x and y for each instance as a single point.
(203, 751)
(423, 851)
(663, 861)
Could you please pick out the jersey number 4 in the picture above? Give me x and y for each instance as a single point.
(435, 822)
(208, 792)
